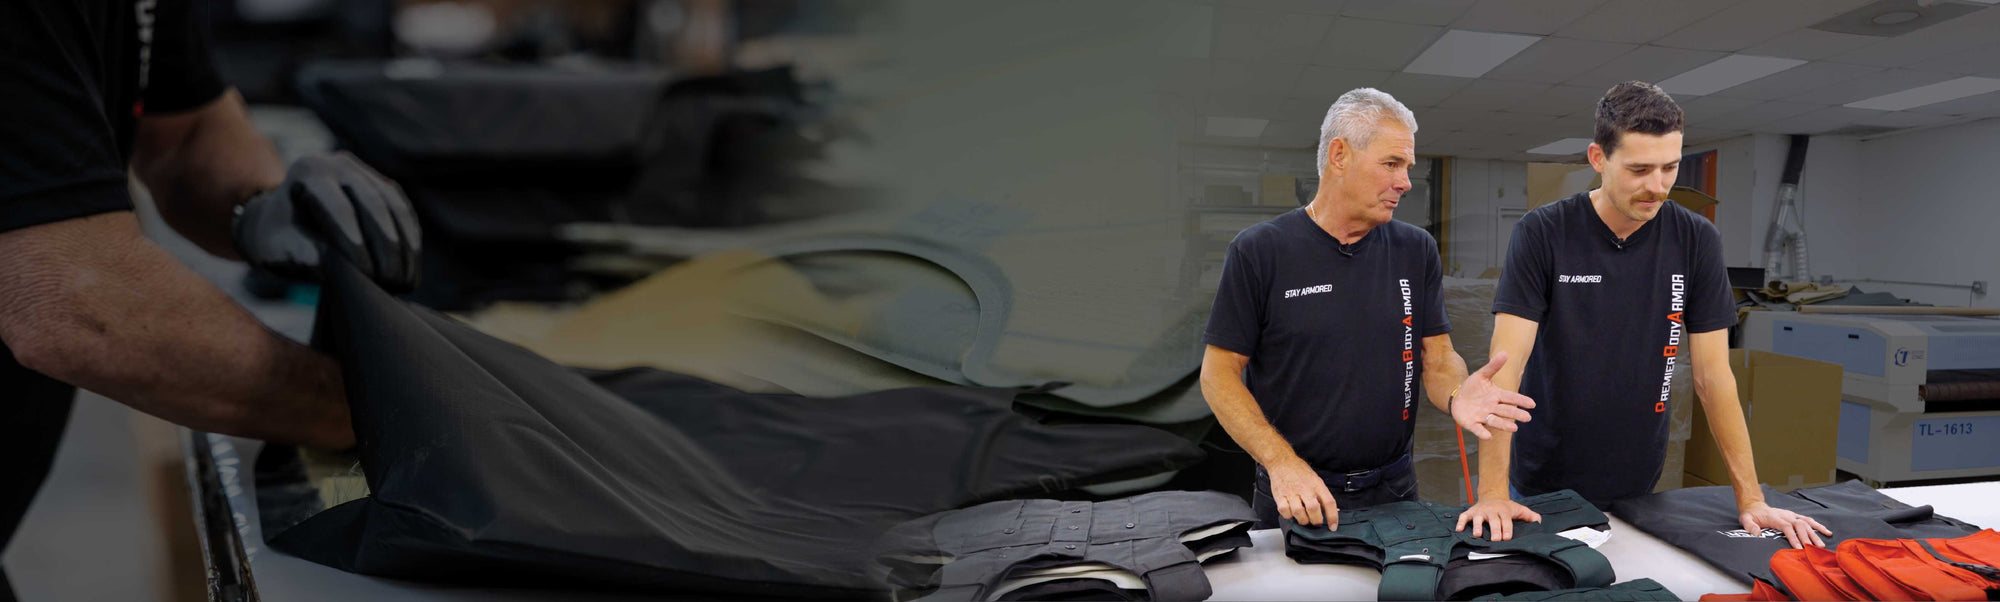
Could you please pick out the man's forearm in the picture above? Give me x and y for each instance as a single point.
(1495, 457)
(200, 164)
(91, 302)
(1237, 411)
(1442, 373)
(1732, 435)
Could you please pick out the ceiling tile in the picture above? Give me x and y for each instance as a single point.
(1374, 45)
(1749, 23)
(1696, 136)
(1291, 134)
(1515, 124)
(1647, 64)
(1708, 108)
(1638, 21)
(1984, 61)
(1419, 12)
(1304, 109)
(1254, 77)
(1557, 59)
(1267, 35)
(1418, 90)
(1971, 105)
(1328, 83)
(1488, 94)
(1447, 120)
(1810, 44)
(1870, 86)
(1321, 7)
(1816, 121)
(1183, 75)
(1427, 135)
(1244, 104)
(1760, 114)
(1787, 83)
(1534, 17)
(1904, 119)
(1558, 101)
(1957, 35)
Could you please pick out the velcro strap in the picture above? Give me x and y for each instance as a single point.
(1183, 581)
(1589, 566)
(1411, 579)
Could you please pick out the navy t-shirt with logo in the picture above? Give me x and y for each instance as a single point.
(1335, 341)
(1613, 317)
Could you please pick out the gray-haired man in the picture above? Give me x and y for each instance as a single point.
(1327, 318)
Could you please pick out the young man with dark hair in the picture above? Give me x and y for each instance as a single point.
(1601, 292)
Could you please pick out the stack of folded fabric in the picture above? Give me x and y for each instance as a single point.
(1145, 547)
(1423, 557)
(1704, 521)
(1884, 569)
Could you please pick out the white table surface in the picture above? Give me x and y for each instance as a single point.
(1263, 572)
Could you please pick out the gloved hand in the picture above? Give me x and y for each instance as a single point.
(332, 204)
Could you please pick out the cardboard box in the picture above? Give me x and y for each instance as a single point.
(1688, 480)
(1792, 406)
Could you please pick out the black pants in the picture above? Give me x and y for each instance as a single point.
(34, 409)
(1397, 486)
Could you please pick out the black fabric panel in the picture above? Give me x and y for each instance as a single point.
(1704, 521)
(489, 464)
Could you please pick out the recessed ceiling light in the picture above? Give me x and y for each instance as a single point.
(1725, 73)
(1566, 146)
(1463, 53)
(1931, 94)
(1234, 127)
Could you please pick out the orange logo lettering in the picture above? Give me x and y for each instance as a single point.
(1672, 350)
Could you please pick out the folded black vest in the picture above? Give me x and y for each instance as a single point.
(1704, 521)
(1422, 557)
(1636, 589)
(488, 464)
(1145, 547)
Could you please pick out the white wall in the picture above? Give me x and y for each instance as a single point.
(1480, 188)
(1920, 207)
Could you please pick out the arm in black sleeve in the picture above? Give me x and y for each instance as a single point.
(1524, 284)
(1236, 321)
(1710, 304)
(1435, 322)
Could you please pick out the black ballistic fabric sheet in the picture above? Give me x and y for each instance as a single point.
(1704, 521)
(491, 465)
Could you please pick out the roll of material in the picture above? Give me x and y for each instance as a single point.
(1961, 391)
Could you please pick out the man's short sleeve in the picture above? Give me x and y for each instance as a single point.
(1524, 282)
(59, 157)
(1435, 322)
(1710, 304)
(183, 73)
(1236, 322)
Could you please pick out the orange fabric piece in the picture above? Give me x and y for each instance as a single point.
(1978, 548)
(1899, 569)
(1796, 569)
(1821, 562)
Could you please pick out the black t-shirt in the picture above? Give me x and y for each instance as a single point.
(1335, 341)
(1613, 317)
(74, 77)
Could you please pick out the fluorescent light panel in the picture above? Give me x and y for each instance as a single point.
(1725, 73)
(1234, 127)
(1566, 146)
(1931, 94)
(1463, 53)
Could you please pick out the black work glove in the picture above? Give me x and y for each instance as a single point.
(332, 203)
